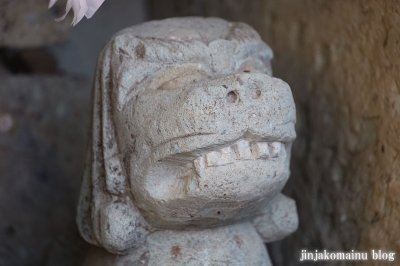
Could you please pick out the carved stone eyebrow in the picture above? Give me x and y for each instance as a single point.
(177, 78)
(165, 77)
(253, 64)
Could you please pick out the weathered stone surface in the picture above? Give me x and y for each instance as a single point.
(190, 132)
(280, 218)
(234, 245)
(43, 129)
(26, 24)
(341, 60)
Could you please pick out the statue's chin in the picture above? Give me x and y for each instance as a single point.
(218, 187)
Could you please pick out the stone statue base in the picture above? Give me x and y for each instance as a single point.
(237, 244)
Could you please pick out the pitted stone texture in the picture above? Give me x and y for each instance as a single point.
(190, 131)
(121, 227)
(280, 217)
(26, 24)
(234, 245)
(202, 194)
(231, 245)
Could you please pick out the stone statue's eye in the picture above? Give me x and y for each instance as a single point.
(253, 65)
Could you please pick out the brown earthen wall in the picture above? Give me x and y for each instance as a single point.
(341, 59)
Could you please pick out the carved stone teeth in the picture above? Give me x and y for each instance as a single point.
(227, 154)
(275, 149)
(261, 150)
(241, 150)
(199, 166)
(221, 157)
(213, 158)
(264, 150)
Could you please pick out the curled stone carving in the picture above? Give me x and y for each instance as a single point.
(190, 148)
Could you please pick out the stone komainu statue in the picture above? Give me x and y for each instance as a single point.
(190, 148)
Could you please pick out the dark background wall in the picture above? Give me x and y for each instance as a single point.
(46, 71)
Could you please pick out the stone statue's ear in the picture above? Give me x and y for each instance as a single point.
(106, 215)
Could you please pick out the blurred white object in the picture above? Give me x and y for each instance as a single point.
(80, 7)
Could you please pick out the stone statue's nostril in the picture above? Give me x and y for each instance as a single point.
(231, 97)
(255, 93)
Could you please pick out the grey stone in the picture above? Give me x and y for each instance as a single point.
(191, 140)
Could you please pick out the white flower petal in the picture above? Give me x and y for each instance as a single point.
(67, 9)
(93, 5)
(52, 2)
(81, 8)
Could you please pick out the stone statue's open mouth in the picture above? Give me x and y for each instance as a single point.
(210, 185)
(240, 150)
(222, 172)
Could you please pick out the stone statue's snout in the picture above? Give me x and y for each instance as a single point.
(216, 111)
(248, 102)
(204, 132)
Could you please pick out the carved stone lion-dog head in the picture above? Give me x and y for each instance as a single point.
(189, 130)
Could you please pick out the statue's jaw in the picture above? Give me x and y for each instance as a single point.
(218, 186)
(245, 169)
